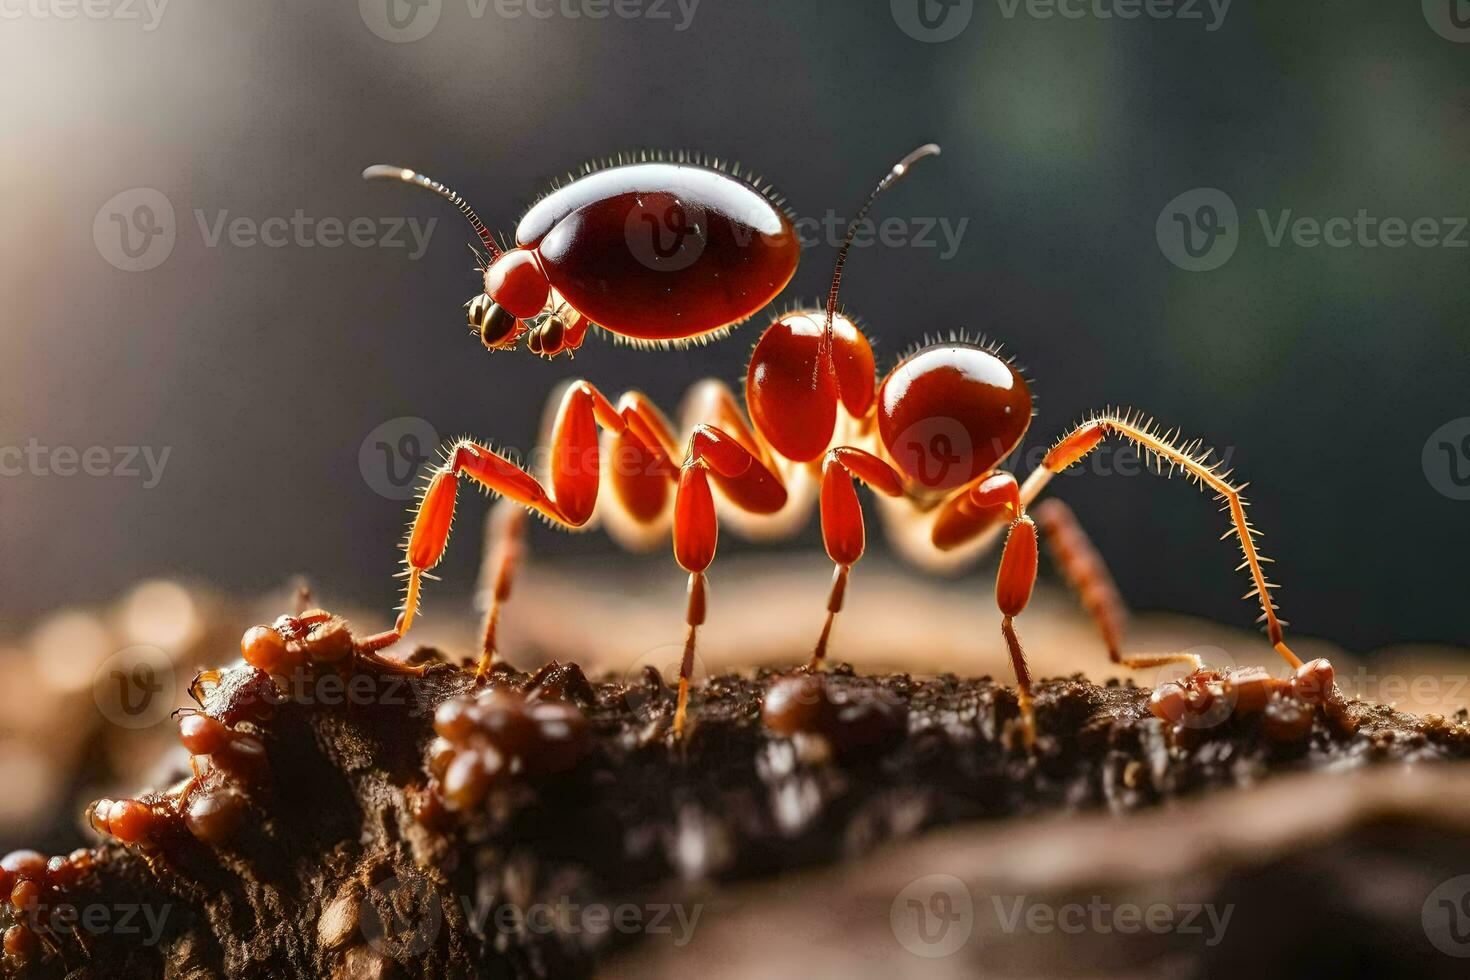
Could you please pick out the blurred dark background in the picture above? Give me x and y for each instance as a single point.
(261, 370)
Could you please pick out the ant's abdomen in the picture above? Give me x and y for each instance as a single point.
(661, 251)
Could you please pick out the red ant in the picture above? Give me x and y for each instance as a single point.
(733, 249)
(929, 438)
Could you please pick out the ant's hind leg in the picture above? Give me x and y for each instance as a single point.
(1013, 584)
(1195, 463)
(505, 535)
(1084, 569)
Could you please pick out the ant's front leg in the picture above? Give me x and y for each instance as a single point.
(574, 486)
(1087, 573)
(843, 532)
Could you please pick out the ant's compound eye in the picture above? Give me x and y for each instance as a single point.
(477, 309)
(548, 337)
(496, 324)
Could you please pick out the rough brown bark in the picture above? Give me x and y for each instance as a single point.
(332, 875)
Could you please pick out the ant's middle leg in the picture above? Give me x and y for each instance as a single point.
(505, 533)
(1084, 569)
(843, 533)
(746, 483)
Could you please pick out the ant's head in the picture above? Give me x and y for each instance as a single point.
(516, 287)
(516, 290)
(810, 360)
(948, 414)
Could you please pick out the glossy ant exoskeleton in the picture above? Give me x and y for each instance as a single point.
(928, 438)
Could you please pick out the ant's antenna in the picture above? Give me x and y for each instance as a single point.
(382, 171)
(889, 179)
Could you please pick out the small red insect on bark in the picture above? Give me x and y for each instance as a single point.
(929, 439)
